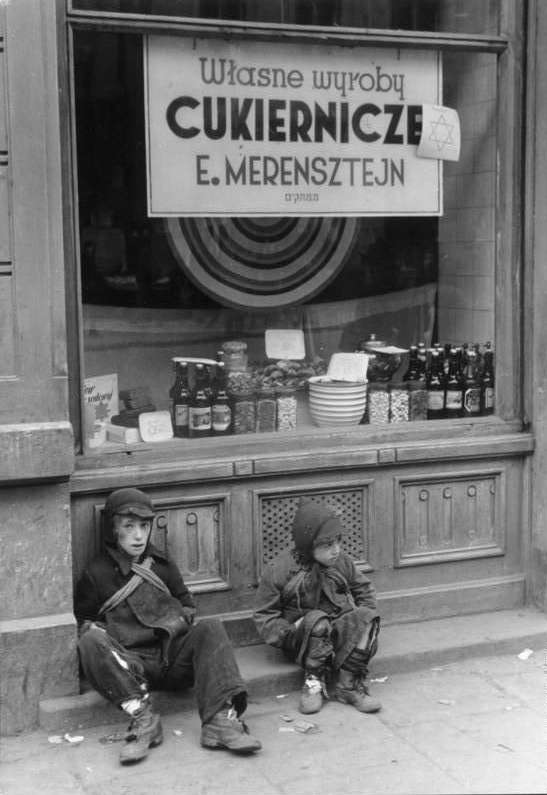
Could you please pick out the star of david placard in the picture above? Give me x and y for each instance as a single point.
(440, 133)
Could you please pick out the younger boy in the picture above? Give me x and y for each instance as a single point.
(137, 629)
(315, 605)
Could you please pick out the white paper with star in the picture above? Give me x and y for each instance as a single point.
(440, 133)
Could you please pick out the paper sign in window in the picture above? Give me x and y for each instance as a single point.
(440, 133)
(285, 343)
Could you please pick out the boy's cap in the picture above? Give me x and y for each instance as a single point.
(314, 524)
(129, 501)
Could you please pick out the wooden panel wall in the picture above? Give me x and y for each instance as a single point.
(436, 539)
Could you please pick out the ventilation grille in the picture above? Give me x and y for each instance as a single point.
(277, 515)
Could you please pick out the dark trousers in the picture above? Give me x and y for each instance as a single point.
(203, 659)
(334, 648)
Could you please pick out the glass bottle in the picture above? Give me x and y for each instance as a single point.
(440, 350)
(422, 359)
(413, 370)
(172, 388)
(199, 416)
(471, 403)
(221, 411)
(487, 382)
(435, 388)
(181, 400)
(453, 392)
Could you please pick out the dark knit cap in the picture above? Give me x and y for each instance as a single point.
(314, 524)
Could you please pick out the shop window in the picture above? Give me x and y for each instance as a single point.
(156, 289)
(453, 16)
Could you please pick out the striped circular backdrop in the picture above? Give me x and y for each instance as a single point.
(262, 262)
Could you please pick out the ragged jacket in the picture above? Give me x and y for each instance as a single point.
(148, 616)
(286, 593)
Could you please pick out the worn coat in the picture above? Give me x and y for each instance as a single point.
(148, 617)
(287, 592)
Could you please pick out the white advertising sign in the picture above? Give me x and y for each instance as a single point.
(273, 128)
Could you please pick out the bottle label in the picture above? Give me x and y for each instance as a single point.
(488, 397)
(472, 400)
(200, 418)
(454, 399)
(222, 417)
(181, 415)
(435, 401)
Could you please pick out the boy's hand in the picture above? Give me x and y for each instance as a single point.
(87, 625)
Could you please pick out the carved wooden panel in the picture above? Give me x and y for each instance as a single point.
(193, 533)
(449, 517)
(276, 515)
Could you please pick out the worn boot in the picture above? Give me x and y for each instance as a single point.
(351, 689)
(313, 692)
(225, 730)
(145, 732)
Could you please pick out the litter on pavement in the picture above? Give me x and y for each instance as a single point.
(524, 655)
(306, 726)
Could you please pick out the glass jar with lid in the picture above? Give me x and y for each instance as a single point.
(384, 359)
(244, 412)
(377, 410)
(266, 410)
(398, 402)
(417, 400)
(235, 356)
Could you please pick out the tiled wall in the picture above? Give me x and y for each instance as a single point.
(467, 239)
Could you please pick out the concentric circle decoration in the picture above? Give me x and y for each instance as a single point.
(261, 262)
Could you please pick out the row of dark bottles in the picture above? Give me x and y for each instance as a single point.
(459, 380)
(201, 407)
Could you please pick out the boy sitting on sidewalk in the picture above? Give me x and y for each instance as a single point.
(316, 606)
(136, 621)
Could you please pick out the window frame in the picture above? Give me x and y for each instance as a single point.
(509, 50)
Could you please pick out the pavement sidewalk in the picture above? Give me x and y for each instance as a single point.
(474, 725)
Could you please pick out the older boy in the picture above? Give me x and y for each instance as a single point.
(137, 629)
(316, 606)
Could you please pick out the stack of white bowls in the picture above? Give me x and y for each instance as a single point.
(336, 402)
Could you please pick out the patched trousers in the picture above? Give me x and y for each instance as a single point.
(203, 658)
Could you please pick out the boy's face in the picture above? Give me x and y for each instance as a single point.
(132, 533)
(327, 552)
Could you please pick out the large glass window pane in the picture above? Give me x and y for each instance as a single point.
(154, 289)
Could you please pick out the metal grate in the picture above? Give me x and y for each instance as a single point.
(277, 515)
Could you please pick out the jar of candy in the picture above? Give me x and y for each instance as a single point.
(244, 413)
(285, 398)
(398, 402)
(417, 400)
(377, 402)
(266, 410)
(235, 356)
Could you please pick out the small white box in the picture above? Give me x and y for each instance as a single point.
(121, 434)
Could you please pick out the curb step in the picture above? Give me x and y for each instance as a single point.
(403, 648)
